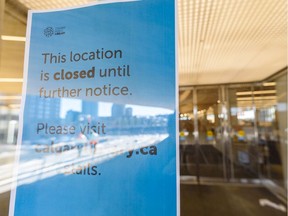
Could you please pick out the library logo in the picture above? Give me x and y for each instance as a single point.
(50, 31)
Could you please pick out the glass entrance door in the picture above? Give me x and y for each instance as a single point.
(234, 132)
(243, 132)
(203, 150)
(210, 146)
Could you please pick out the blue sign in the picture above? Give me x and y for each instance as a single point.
(98, 126)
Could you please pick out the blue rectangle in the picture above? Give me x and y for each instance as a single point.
(98, 135)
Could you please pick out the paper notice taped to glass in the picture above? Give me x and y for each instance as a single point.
(98, 124)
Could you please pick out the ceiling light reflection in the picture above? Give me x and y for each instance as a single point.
(11, 80)
(10, 97)
(13, 38)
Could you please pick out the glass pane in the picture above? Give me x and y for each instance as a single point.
(272, 122)
(210, 133)
(186, 129)
(242, 118)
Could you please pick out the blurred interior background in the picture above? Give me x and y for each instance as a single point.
(232, 71)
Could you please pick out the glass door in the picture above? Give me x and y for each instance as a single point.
(258, 119)
(243, 132)
(271, 110)
(203, 151)
(186, 133)
(210, 146)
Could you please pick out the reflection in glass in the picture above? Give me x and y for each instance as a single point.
(70, 136)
